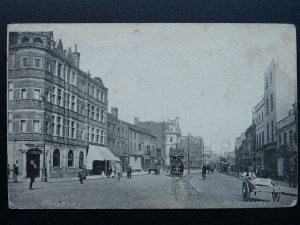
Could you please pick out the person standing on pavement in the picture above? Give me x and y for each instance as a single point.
(80, 175)
(204, 171)
(129, 170)
(32, 170)
(15, 173)
(118, 170)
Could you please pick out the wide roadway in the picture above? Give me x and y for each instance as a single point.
(143, 191)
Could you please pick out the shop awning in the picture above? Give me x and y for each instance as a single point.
(99, 153)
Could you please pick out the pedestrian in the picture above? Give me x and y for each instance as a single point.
(118, 170)
(8, 171)
(129, 170)
(204, 168)
(32, 170)
(15, 173)
(80, 175)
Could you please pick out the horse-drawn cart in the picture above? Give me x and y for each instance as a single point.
(253, 184)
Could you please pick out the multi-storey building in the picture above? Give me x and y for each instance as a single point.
(279, 95)
(117, 137)
(142, 147)
(249, 153)
(193, 149)
(55, 109)
(287, 148)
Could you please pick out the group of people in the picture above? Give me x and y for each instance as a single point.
(119, 172)
(207, 169)
(32, 172)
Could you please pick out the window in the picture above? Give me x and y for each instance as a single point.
(93, 135)
(70, 159)
(59, 70)
(36, 126)
(171, 139)
(38, 41)
(102, 96)
(92, 91)
(259, 117)
(10, 91)
(272, 131)
(25, 40)
(97, 137)
(58, 130)
(97, 114)
(134, 146)
(73, 129)
(37, 62)
(24, 62)
(48, 66)
(291, 137)
(68, 129)
(268, 139)
(73, 78)
(98, 94)
(102, 137)
(140, 147)
(23, 93)
(88, 134)
(68, 76)
(82, 110)
(54, 67)
(263, 138)
(68, 97)
(10, 126)
(279, 142)
(102, 115)
(271, 102)
(81, 160)
(56, 158)
(73, 103)
(284, 139)
(11, 61)
(59, 102)
(267, 103)
(23, 126)
(93, 113)
(36, 94)
(47, 96)
(53, 95)
(53, 125)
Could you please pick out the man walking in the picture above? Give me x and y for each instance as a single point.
(32, 173)
(204, 168)
(80, 175)
(118, 170)
(15, 173)
(129, 170)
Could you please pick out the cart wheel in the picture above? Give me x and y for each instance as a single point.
(275, 196)
(245, 191)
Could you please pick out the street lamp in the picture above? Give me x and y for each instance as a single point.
(44, 169)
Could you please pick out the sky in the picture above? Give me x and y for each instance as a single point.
(210, 75)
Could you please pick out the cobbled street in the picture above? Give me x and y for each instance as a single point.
(143, 191)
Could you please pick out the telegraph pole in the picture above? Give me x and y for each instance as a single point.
(188, 153)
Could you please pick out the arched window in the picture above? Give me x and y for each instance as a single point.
(81, 158)
(25, 40)
(37, 40)
(70, 159)
(56, 158)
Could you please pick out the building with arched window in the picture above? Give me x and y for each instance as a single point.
(52, 105)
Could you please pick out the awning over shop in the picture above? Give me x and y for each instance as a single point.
(99, 153)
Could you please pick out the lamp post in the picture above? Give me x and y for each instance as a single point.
(44, 169)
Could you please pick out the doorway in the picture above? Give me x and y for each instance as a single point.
(33, 155)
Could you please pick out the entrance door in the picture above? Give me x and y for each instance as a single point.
(33, 156)
(280, 166)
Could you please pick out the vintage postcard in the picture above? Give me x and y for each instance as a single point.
(151, 116)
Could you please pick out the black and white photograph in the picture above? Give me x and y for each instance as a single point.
(152, 116)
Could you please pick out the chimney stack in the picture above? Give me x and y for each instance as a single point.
(136, 121)
(114, 111)
(76, 57)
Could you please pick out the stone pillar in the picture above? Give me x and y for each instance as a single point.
(24, 173)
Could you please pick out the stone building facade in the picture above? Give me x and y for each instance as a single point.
(53, 107)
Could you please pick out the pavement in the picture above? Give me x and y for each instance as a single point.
(145, 191)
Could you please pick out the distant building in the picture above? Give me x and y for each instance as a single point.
(166, 132)
(52, 106)
(195, 146)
